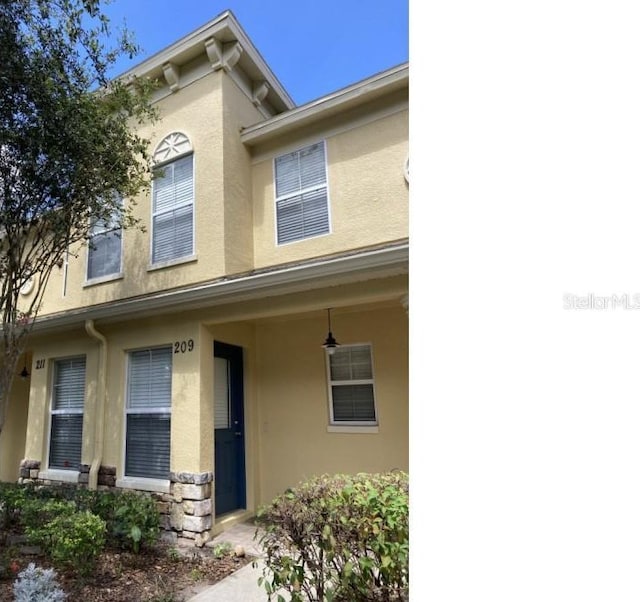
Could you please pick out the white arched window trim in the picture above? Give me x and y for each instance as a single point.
(172, 146)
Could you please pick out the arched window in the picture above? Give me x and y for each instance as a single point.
(172, 215)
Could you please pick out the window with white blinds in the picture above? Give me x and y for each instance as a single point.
(302, 204)
(172, 211)
(148, 435)
(67, 406)
(350, 370)
(105, 250)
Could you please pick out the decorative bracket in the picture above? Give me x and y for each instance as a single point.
(260, 91)
(172, 76)
(214, 52)
(223, 56)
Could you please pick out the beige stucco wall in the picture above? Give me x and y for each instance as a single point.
(286, 403)
(196, 111)
(12, 437)
(238, 112)
(45, 351)
(234, 194)
(293, 399)
(368, 194)
(185, 388)
(186, 391)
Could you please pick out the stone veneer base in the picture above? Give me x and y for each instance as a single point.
(186, 513)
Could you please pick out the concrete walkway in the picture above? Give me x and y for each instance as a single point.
(241, 586)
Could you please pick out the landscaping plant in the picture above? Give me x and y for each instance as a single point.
(71, 540)
(132, 518)
(37, 585)
(339, 538)
(135, 521)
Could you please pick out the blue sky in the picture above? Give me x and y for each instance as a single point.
(313, 47)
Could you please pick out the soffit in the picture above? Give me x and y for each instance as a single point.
(226, 32)
(364, 92)
(361, 265)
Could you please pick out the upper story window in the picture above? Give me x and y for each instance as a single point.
(148, 438)
(67, 405)
(302, 202)
(350, 370)
(105, 249)
(172, 215)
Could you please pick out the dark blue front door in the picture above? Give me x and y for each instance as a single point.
(229, 476)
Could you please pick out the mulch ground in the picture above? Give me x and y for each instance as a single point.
(163, 574)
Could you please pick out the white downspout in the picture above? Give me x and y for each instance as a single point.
(100, 404)
(65, 272)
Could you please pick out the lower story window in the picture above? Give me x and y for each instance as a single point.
(148, 439)
(67, 405)
(351, 391)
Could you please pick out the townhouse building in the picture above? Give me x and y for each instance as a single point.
(255, 333)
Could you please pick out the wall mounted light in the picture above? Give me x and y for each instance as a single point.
(330, 343)
(24, 374)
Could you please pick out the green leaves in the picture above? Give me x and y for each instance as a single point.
(73, 540)
(342, 537)
(133, 520)
(67, 146)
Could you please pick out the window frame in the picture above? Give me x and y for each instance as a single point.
(159, 166)
(300, 192)
(134, 481)
(338, 425)
(64, 412)
(105, 277)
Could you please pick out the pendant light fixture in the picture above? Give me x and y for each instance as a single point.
(330, 343)
(24, 374)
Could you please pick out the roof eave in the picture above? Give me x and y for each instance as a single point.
(359, 93)
(366, 265)
(225, 28)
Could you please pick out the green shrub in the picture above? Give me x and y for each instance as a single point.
(33, 505)
(12, 497)
(71, 540)
(342, 538)
(36, 513)
(133, 520)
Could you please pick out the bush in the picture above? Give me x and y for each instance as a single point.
(73, 540)
(36, 513)
(342, 538)
(134, 521)
(23, 505)
(12, 496)
(37, 585)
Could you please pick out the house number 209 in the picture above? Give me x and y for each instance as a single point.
(183, 346)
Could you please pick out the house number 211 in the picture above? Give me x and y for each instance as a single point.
(183, 346)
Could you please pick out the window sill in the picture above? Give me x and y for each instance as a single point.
(103, 279)
(171, 262)
(139, 483)
(66, 476)
(350, 428)
(293, 242)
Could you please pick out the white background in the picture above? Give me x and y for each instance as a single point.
(525, 187)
